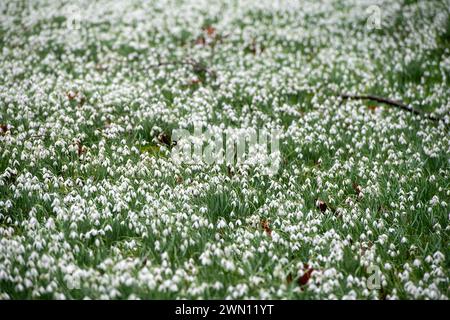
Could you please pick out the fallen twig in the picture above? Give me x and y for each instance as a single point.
(398, 104)
(196, 66)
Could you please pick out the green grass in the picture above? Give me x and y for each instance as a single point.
(120, 183)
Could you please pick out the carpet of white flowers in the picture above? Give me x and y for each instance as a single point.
(93, 206)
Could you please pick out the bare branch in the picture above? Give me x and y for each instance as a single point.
(394, 103)
(196, 66)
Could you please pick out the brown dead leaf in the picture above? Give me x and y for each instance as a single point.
(164, 138)
(194, 81)
(357, 188)
(289, 278)
(230, 171)
(210, 37)
(82, 102)
(210, 31)
(3, 129)
(81, 149)
(321, 205)
(71, 95)
(200, 41)
(266, 227)
(306, 275)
